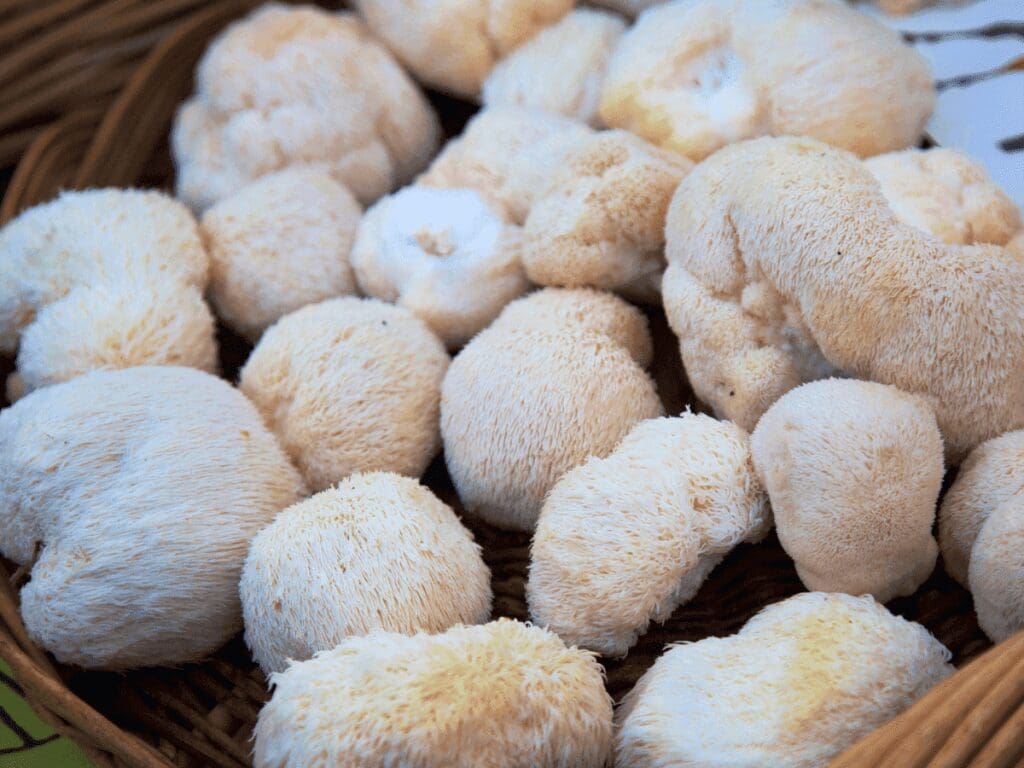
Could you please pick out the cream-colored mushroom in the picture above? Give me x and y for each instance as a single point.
(379, 551)
(624, 540)
(787, 264)
(453, 44)
(278, 244)
(501, 695)
(300, 86)
(601, 222)
(106, 278)
(350, 385)
(443, 254)
(561, 68)
(853, 470)
(695, 75)
(804, 679)
(132, 495)
(506, 154)
(521, 407)
(996, 572)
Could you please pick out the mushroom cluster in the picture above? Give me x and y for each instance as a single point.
(682, 281)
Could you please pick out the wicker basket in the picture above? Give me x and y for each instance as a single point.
(203, 714)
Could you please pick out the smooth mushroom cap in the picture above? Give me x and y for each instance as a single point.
(553, 309)
(379, 551)
(500, 694)
(133, 496)
(106, 278)
(624, 540)
(601, 222)
(443, 254)
(695, 76)
(853, 470)
(521, 407)
(991, 475)
(996, 572)
(452, 45)
(289, 86)
(561, 69)
(783, 252)
(945, 193)
(350, 385)
(278, 244)
(803, 680)
(508, 155)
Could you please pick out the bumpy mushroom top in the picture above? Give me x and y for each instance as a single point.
(996, 573)
(626, 539)
(507, 154)
(990, 476)
(853, 470)
(107, 278)
(278, 244)
(443, 254)
(379, 551)
(561, 69)
(785, 261)
(601, 222)
(501, 694)
(947, 194)
(135, 493)
(521, 407)
(552, 309)
(453, 44)
(804, 679)
(695, 76)
(350, 385)
(300, 86)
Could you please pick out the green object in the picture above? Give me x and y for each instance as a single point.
(25, 740)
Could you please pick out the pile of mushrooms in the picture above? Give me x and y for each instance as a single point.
(847, 308)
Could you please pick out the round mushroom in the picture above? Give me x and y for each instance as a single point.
(379, 551)
(804, 679)
(996, 572)
(106, 278)
(289, 86)
(133, 495)
(853, 470)
(501, 695)
(443, 254)
(278, 244)
(624, 540)
(695, 75)
(350, 385)
(521, 407)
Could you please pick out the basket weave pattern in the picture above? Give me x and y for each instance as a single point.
(203, 714)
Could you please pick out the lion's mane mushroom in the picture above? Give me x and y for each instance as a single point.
(300, 86)
(350, 385)
(561, 69)
(379, 551)
(278, 244)
(133, 495)
(853, 470)
(803, 679)
(522, 406)
(624, 540)
(501, 695)
(945, 193)
(693, 76)
(507, 154)
(443, 254)
(601, 222)
(584, 309)
(786, 263)
(981, 532)
(453, 44)
(106, 278)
